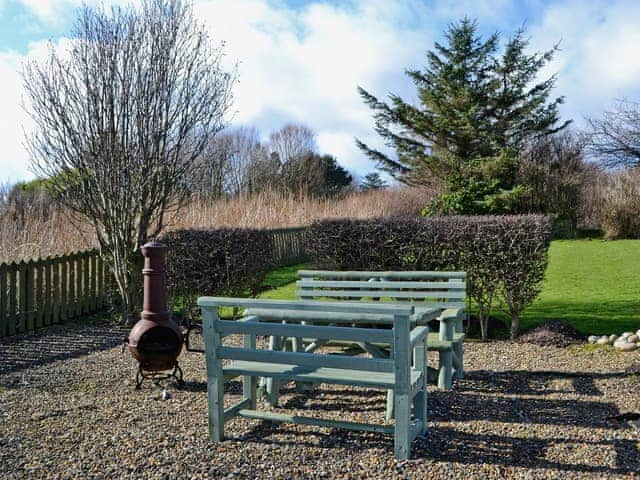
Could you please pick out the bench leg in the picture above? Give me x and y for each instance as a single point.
(459, 368)
(445, 370)
(273, 385)
(390, 405)
(402, 431)
(420, 400)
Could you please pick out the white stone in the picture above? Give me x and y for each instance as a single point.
(621, 342)
(633, 338)
(593, 338)
(627, 347)
(627, 334)
(603, 341)
(613, 338)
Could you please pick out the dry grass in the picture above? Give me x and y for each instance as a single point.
(38, 232)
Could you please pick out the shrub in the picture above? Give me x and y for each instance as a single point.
(216, 262)
(620, 215)
(504, 256)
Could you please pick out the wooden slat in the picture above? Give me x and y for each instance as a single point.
(86, 285)
(47, 316)
(307, 359)
(39, 294)
(387, 275)
(293, 330)
(64, 293)
(93, 260)
(55, 290)
(317, 316)
(449, 285)
(319, 422)
(71, 298)
(13, 298)
(385, 293)
(22, 298)
(334, 376)
(100, 287)
(306, 305)
(30, 296)
(3, 300)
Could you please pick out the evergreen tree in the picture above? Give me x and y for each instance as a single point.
(372, 181)
(476, 110)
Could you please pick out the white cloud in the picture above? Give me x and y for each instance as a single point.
(304, 64)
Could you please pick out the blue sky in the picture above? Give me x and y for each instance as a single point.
(301, 60)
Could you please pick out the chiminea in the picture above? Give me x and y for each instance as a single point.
(155, 340)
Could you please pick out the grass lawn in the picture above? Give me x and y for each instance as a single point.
(593, 284)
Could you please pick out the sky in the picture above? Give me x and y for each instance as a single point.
(302, 61)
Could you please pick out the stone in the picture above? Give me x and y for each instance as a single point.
(603, 340)
(593, 339)
(621, 342)
(613, 338)
(627, 334)
(633, 338)
(627, 347)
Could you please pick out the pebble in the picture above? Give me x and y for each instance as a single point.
(626, 346)
(603, 341)
(593, 339)
(522, 411)
(633, 338)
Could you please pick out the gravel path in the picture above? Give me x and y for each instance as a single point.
(523, 411)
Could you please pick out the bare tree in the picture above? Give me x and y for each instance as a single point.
(292, 141)
(122, 117)
(615, 138)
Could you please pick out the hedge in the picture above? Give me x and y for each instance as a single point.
(226, 262)
(505, 257)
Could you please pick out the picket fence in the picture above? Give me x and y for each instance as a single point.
(46, 291)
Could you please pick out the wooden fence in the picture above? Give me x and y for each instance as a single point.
(288, 246)
(42, 292)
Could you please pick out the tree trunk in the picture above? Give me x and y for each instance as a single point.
(515, 327)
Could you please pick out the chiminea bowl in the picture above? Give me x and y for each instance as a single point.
(156, 345)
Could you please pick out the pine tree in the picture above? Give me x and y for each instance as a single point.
(372, 181)
(477, 108)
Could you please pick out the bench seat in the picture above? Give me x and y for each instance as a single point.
(337, 376)
(436, 344)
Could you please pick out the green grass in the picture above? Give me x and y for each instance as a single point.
(593, 284)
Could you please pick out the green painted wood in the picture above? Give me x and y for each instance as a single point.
(387, 275)
(12, 272)
(39, 294)
(293, 330)
(30, 272)
(306, 359)
(64, 283)
(22, 297)
(402, 388)
(3, 300)
(443, 294)
(318, 422)
(320, 316)
(418, 334)
(215, 377)
(305, 305)
(381, 285)
(233, 410)
(335, 376)
(249, 382)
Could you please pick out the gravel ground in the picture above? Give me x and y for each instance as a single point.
(523, 411)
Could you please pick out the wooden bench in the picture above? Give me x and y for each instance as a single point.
(396, 373)
(424, 290)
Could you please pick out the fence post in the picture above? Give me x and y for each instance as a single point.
(30, 297)
(64, 278)
(46, 313)
(39, 293)
(93, 259)
(55, 290)
(101, 293)
(13, 298)
(22, 297)
(3, 300)
(86, 292)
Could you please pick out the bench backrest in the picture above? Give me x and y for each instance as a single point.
(251, 325)
(438, 289)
